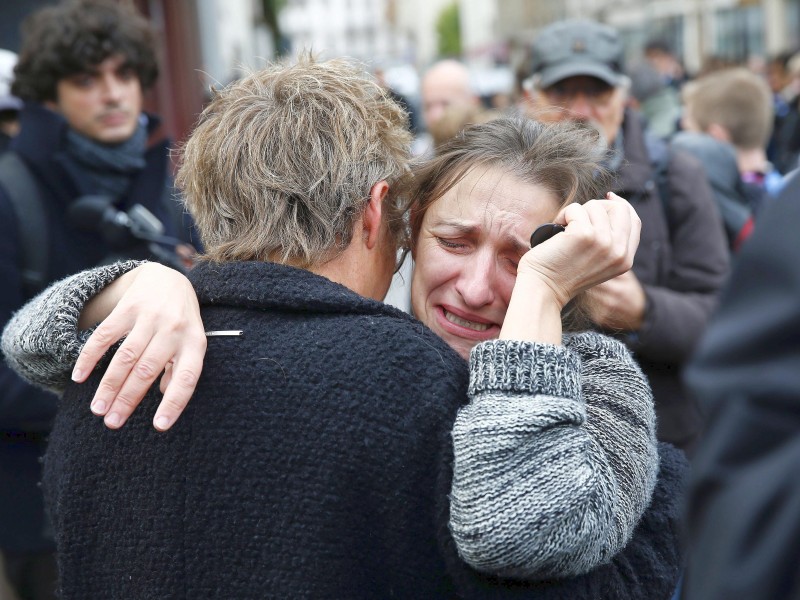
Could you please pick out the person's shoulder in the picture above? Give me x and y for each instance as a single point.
(399, 336)
(407, 358)
(10, 162)
(682, 165)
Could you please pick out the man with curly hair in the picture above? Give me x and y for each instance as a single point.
(82, 70)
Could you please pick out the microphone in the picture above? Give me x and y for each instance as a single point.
(121, 230)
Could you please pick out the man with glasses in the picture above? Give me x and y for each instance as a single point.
(661, 306)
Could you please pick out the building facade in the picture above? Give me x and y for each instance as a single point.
(366, 30)
(736, 30)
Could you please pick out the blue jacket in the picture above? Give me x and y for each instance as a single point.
(26, 412)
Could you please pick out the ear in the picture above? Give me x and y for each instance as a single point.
(718, 132)
(373, 214)
(529, 95)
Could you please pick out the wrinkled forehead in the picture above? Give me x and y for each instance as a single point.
(485, 185)
(493, 198)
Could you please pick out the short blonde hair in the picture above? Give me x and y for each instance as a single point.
(738, 100)
(282, 161)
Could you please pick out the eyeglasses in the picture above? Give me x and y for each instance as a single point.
(565, 92)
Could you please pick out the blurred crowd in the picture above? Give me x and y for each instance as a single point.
(708, 160)
(764, 133)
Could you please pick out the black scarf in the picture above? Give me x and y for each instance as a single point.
(110, 167)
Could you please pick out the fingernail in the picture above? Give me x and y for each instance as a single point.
(98, 407)
(77, 375)
(162, 423)
(113, 420)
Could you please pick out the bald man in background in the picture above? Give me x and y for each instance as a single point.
(446, 84)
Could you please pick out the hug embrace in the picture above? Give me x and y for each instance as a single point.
(488, 446)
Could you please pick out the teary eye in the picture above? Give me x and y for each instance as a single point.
(449, 243)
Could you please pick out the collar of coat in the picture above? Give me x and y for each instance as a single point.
(636, 168)
(264, 285)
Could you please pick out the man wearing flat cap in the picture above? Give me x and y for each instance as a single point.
(659, 308)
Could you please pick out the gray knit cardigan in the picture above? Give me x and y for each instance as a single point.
(555, 452)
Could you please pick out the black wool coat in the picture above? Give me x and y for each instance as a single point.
(26, 412)
(314, 461)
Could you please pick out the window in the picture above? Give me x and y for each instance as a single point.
(793, 23)
(740, 33)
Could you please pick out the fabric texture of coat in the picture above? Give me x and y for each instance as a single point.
(745, 499)
(320, 480)
(25, 411)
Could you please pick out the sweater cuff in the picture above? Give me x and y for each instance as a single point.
(640, 337)
(83, 287)
(41, 342)
(524, 367)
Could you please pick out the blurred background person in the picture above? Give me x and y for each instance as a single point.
(745, 503)
(783, 76)
(661, 306)
(733, 106)
(660, 55)
(719, 160)
(658, 102)
(82, 70)
(10, 105)
(731, 110)
(446, 84)
(455, 118)
(405, 103)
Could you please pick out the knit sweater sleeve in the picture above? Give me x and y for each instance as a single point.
(42, 341)
(555, 457)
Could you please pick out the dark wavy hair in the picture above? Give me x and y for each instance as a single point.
(75, 37)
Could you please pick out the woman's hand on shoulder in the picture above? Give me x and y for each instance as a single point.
(160, 315)
(599, 243)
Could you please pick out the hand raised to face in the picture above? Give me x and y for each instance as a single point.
(598, 243)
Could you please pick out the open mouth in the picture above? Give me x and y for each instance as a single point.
(464, 322)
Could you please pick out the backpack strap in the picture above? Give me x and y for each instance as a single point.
(27, 203)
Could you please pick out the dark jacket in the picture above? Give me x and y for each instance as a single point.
(682, 262)
(736, 201)
(783, 149)
(315, 460)
(745, 502)
(26, 412)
